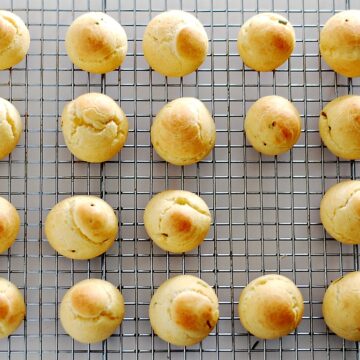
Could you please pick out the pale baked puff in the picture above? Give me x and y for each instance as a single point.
(266, 41)
(270, 306)
(272, 125)
(9, 224)
(177, 220)
(340, 211)
(339, 126)
(12, 308)
(97, 43)
(175, 43)
(339, 43)
(14, 39)
(341, 306)
(184, 310)
(10, 127)
(91, 310)
(94, 127)
(183, 131)
(81, 227)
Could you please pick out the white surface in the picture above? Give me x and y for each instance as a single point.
(265, 209)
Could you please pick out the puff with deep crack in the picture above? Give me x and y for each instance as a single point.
(94, 127)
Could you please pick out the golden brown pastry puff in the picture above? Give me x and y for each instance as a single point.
(271, 306)
(91, 310)
(175, 43)
(97, 43)
(14, 39)
(184, 310)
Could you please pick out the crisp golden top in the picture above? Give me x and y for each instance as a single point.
(175, 43)
(270, 306)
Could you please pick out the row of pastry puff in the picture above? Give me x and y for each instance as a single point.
(83, 226)
(176, 44)
(95, 129)
(183, 132)
(185, 309)
(14, 45)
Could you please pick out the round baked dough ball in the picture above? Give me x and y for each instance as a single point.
(341, 306)
(340, 211)
(97, 43)
(266, 41)
(91, 310)
(183, 132)
(9, 224)
(177, 220)
(271, 306)
(12, 308)
(339, 43)
(94, 127)
(175, 43)
(339, 126)
(10, 127)
(81, 227)
(272, 125)
(15, 39)
(184, 310)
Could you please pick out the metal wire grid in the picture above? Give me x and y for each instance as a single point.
(265, 209)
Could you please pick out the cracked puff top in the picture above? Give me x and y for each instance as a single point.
(175, 43)
(183, 131)
(272, 125)
(14, 39)
(97, 43)
(10, 127)
(340, 211)
(341, 306)
(12, 308)
(94, 127)
(81, 227)
(339, 126)
(91, 310)
(184, 310)
(270, 306)
(177, 220)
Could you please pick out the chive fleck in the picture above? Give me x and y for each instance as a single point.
(284, 22)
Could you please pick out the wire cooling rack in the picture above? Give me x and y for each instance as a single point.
(265, 209)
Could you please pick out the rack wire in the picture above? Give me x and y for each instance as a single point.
(265, 209)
